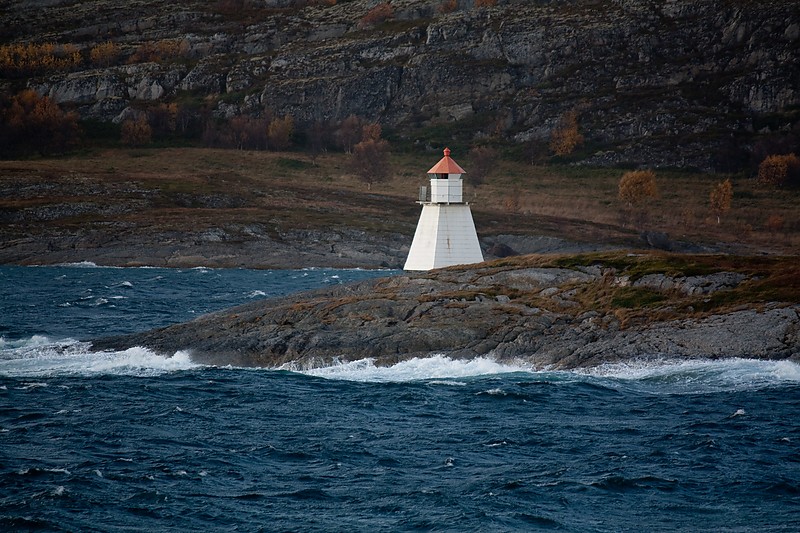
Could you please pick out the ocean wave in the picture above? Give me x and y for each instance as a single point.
(436, 367)
(35, 340)
(664, 376)
(699, 375)
(84, 264)
(42, 357)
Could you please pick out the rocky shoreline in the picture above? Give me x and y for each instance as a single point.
(560, 313)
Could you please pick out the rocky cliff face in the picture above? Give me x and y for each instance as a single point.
(661, 83)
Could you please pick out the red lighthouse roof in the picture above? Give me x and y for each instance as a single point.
(446, 165)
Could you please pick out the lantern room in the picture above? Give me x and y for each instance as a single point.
(446, 184)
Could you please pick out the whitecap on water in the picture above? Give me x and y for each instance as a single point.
(700, 375)
(44, 358)
(34, 341)
(436, 367)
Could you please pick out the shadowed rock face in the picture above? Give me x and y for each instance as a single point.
(654, 83)
(530, 314)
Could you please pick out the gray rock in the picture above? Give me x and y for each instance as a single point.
(449, 312)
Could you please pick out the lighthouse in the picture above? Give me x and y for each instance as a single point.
(445, 233)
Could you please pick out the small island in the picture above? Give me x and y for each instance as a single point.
(554, 312)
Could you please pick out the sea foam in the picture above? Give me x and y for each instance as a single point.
(700, 375)
(41, 357)
(436, 367)
(658, 376)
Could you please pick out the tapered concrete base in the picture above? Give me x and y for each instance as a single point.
(445, 236)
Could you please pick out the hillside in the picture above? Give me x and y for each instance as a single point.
(185, 207)
(707, 84)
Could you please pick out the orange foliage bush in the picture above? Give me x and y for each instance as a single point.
(371, 132)
(566, 137)
(720, 198)
(136, 132)
(28, 59)
(637, 186)
(279, 133)
(485, 3)
(779, 170)
(104, 54)
(377, 15)
(33, 123)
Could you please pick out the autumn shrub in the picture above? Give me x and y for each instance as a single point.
(779, 170)
(32, 123)
(163, 118)
(104, 54)
(637, 186)
(30, 59)
(370, 159)
(566, 136)
(512, 203)
(136, 131)
(377, 15)
(371, 132)
(485, 3)
(279, 133)
(244, 132)
(447, 6)
(720, 198)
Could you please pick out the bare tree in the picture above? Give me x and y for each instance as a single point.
(370, 161)
(482, 161)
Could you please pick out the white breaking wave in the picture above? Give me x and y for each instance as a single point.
(436, 367)
(41, 357)
(670, 377)
(36, 340)
(701, 375)
(85, 264)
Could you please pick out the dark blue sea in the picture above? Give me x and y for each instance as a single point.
(135, 441)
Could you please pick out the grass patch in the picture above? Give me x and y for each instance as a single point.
(293, 164)
(636, 298)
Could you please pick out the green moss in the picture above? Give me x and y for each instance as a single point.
(636, 298)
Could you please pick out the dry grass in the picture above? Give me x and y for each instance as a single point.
(293, 190)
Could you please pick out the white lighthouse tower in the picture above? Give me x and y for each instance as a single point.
(445, 233)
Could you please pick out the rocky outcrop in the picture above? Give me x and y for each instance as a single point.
(534, 314)
(653, 83)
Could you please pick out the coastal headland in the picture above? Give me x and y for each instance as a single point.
(554, 311)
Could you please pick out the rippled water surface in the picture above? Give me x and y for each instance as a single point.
(128, 441)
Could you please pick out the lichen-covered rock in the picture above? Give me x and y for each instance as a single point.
(469, 312)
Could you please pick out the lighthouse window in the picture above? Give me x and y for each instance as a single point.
(443, 176)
